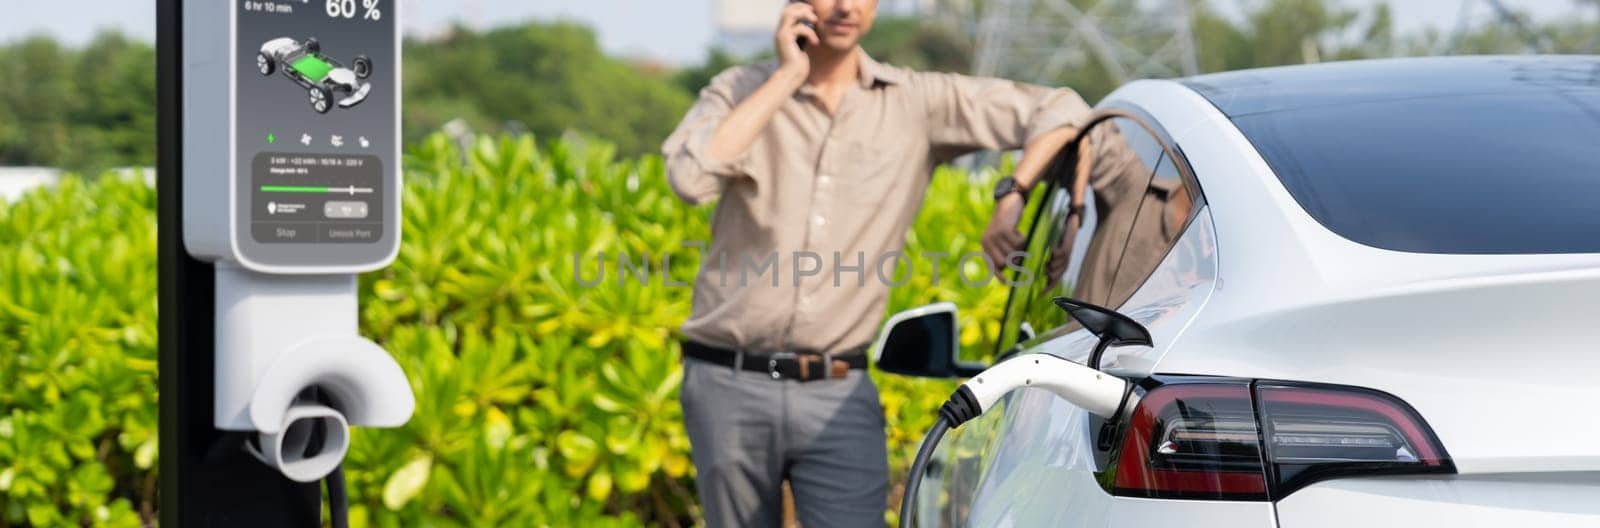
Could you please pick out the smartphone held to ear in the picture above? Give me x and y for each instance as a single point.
(801, 41)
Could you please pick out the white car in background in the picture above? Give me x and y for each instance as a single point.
(1374, 295)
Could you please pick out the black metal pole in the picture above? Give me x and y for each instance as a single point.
(206, 480)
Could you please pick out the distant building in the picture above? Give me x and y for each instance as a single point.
(15, 181)
(744, 27)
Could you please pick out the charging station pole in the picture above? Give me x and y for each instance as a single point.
(204, 483)
(261, 232)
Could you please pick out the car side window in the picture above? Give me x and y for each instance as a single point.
(1076, 252)
(1164, 211)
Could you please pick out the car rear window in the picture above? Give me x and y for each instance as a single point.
(1487, 173)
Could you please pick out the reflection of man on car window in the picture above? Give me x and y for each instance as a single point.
(1138, 212)
(1117, 176)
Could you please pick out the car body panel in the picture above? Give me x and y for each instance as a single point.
(1168, 301)
(1298, 302)
(1127, 512)
(1001, 480)
(1559, 501)
(1494, 352)
(1053, 483)
(989, 481)
(985, 478)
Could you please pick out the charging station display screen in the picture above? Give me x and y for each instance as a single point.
(316, 140)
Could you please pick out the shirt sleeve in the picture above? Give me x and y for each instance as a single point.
(693, 175)
(973, 113)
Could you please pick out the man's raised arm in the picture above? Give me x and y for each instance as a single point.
(714, 138)
(972, 113)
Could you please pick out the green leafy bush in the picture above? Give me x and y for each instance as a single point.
(540, 401)
(78, 355)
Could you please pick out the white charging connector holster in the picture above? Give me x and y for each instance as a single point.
(277, 337)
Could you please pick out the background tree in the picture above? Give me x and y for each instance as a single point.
(693, 78)
(920, 45)
(81, 109)
(94, 107)
(549, 77)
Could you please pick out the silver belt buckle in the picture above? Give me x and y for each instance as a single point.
(772, 363)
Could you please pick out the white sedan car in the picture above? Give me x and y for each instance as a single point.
(1373, 291)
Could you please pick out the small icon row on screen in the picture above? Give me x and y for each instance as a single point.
(334, 140)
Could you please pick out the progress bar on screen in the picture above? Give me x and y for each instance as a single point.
(315, 190)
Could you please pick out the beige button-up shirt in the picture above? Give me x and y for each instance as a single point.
(813, 207)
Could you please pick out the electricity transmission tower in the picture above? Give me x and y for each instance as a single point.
(1040, 40)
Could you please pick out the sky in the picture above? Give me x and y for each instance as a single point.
(671, 31)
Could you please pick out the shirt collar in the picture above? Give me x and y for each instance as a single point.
(870, 73)
(873, 72)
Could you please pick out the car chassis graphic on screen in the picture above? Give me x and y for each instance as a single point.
(322, 76)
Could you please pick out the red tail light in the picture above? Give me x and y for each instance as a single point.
(1223, 440)
(1194, 441)
(1318, 432)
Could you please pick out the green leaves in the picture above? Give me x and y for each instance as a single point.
(407, 482)
(540, 401)
(531, 383)
(580, 452)
(77, 354)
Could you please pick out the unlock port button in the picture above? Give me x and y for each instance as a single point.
(345, 210)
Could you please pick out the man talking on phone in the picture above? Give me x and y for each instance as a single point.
(821, 159)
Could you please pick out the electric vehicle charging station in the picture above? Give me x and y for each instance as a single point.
(280, 181)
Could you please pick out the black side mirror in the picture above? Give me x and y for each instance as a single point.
(923, 342)
(1113, 329)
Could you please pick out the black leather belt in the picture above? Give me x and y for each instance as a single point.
(798, 366)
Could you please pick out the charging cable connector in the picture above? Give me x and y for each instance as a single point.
(1098, 393)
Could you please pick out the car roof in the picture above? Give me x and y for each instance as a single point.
(1248, 92)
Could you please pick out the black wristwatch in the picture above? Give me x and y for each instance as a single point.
(1008, 185)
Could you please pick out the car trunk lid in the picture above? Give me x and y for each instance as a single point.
(1505, 368)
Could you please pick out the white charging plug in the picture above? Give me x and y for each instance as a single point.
(1099, 393)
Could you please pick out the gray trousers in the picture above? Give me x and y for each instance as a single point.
(748, 433)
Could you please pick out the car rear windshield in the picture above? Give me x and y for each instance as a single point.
(1489, 173)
